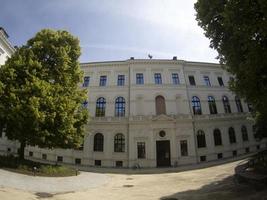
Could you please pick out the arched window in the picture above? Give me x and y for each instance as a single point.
(244, 133)
(238, 104)
(217, 137)
(226, 104)
(232, 137)
(212, 105)
(100, 107)
(98, 142)
(120, 107)
(196, 106)
(160, 105)
(201, 140)
(119, 143)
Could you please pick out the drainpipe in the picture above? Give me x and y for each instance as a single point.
(192, 116)
(129, 107)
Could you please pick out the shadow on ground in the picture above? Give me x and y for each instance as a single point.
(224, 189)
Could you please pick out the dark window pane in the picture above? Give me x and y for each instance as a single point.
(86, 81)
(100, 107)
(201, 140)
(175, 79)
(98, 142)
(212, 105)
(119, 143)
(184, 148)
(120, 107)
(192, 80)
(139, 79)
(196, 106)
(141, 150)
(157, 77)
(207, 81)
(220, 81)
(226, 104)
(121, 80)
(103, 81)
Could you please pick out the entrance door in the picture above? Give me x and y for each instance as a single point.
(163, 153)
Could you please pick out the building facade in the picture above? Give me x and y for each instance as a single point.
(158, 113)
(6, 49)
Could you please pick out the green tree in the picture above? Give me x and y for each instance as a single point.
(40, 100)
(237, 29)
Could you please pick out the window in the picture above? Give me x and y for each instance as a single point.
(207, 81)
(100, 107)
(97, 162)
(175, 79)
(44, 156)
(139, 79)
(258, 147)
(184, 148)
(232, 137)
(247, 150)
(121, 80)
(85, 104)
(202, 158)
(191, 80)
(201, 140)
(250, 107)
(119, 143)
(119, 164)
(30, 153)
(196, 106)
(86, 81)
(120, 107)
(234, 153)
(157, 77)
(98, 142)
(226, 104)
(219, 155)
(59, 159)
(238, 104)
(103, 81)
(212, 105)
(244, 133)
(220, 81)
(160, 105)
(78, 161)
(217, 137)
(141, 150)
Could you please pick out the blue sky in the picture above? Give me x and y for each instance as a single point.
(113, 29)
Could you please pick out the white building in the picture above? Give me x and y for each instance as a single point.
(6, 49)
(152, 113)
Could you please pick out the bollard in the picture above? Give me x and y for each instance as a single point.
(34, 171)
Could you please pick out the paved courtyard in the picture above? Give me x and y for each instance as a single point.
(214, 183)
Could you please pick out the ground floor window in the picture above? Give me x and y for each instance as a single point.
(219, 155)
(203, 158)
(184, 148)
(258, 147)
(247, 150)
(60, 159)
(44, 156)
(78, 161)
(141, 150)
(97, 162)
(31, 154)
(119, 163)
(235, 153)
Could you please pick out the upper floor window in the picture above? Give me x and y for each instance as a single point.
(157, 77)
(160, 105)
(98, 142)
(139, 79)
(232, 137)
(100, 107)
(250, 107)
(212, 105)
(120, 107)
(175, 79)
(196, 106)
(238, 104)
(121, 80)
(119, 143)
(86, 81)
(220, 81)
(201, 140)
(217, 137)
(244, 133)
(103, 81)
(226, 104)
(85, 104)
(207, 80)
(191, 80)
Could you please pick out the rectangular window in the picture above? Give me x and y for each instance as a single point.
(78, 161)
(247, 150)
(97, 162)
(184, 148)
(119, 164)
(220, 81)
(258, 147)
(202, 158)
(60, 159)
(44, 156)
(103, 81)
(157, 77)
(121, 80)
(191, 80)
(86, 81)
(175, 79)
(139, 79)
(207, 80)
(141, 150)
(219, 155)
(31, 154)
(234, 153)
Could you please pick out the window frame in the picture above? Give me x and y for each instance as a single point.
(139, 79)
(98, 142)
(119, 143)
(100, 107)
(191, 79)
(141, 150)
(196, 105)
(121, 80)
(157, 78)
(175, 79)
(207, 80)
(103, 81)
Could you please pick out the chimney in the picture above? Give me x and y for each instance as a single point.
(174, 57)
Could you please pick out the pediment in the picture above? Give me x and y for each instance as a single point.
(163, 117)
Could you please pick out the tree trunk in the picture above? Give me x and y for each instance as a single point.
(21, 149)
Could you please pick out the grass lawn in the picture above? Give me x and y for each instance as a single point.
(15, 164)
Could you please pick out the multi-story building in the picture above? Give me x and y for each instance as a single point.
(150, 113)
(6, 49)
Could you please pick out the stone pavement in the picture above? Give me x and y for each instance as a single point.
(83, 181)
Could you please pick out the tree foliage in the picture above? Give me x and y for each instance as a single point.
(40, 100)
(237, 29)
